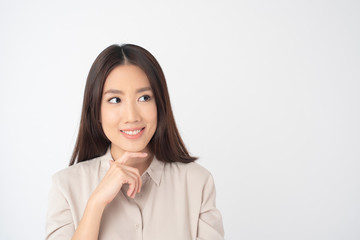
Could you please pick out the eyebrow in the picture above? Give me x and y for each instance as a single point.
(115, 91)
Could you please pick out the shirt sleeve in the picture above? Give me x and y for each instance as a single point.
(210, 226)
(59, 221)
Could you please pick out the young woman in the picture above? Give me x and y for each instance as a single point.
(131, 176)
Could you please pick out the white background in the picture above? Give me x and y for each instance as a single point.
(266, 93)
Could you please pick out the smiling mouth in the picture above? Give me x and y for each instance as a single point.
(132, 132)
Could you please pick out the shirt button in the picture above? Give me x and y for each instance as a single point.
(137, 226)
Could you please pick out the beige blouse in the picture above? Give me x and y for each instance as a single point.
(177, 201)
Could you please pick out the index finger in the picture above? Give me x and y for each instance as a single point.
(127, 155)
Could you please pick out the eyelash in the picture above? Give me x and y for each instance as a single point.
(118, 100)
(147, 96)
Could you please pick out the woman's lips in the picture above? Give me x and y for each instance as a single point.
(132, 133)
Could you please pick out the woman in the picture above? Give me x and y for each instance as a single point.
(133, 177)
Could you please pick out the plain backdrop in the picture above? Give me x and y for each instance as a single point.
(266, 93)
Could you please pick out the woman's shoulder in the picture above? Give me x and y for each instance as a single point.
(78, 170)
(192, 170)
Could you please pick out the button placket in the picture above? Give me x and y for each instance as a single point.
(138, 221)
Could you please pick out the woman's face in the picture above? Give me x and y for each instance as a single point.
(128, 110)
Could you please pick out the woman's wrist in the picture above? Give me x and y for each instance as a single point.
(96, 203)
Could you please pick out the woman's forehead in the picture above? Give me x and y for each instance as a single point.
(127, 78)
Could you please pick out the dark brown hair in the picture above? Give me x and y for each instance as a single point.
(166, 144)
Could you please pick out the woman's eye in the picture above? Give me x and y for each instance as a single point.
(144, 98)
(114, 100)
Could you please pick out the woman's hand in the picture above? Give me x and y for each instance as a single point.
(118, 175)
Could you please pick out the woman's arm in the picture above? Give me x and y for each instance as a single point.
(210, 225)
(59, 219)
(90, 222)
(59, 222)
(117, 175)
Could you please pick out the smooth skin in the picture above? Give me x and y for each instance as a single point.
(127, 103)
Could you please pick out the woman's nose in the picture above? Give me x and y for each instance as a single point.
(131, 113)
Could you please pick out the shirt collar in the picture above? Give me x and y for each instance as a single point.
(155, 170)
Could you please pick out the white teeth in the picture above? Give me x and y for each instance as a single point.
(131, 132)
